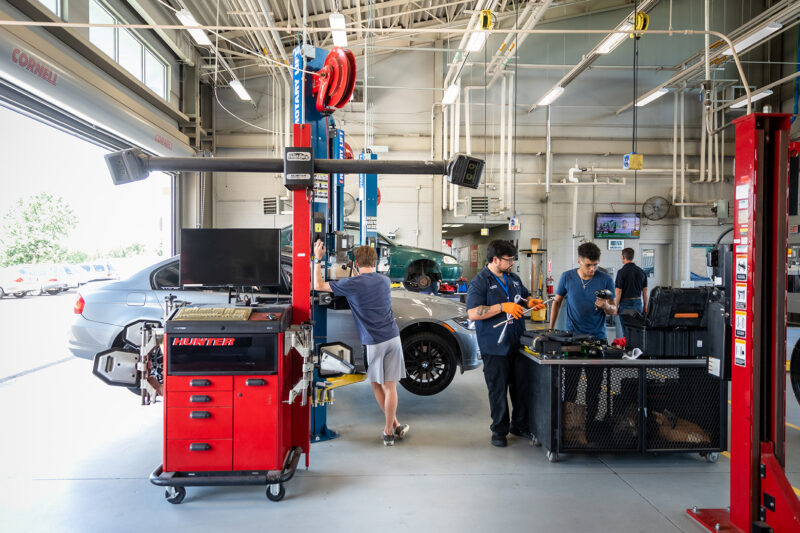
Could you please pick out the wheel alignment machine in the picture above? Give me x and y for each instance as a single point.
(315, 212)
(761, 498)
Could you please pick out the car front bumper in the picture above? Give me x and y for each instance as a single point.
(468, 345)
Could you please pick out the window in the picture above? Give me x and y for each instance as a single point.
(167, 277)
(125, 48)
(52, 5)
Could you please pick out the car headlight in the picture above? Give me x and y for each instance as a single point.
(450, 260)
(464, 322)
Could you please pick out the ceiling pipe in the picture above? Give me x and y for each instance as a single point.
(503, 139)
(503, 54)
(510, 143)
(548, 157)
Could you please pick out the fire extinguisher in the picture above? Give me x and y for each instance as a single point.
(550, 287)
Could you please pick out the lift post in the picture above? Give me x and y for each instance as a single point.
(761, 498)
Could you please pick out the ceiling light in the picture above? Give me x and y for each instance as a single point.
(237, 86)
(753, 38)
(652, 96)
(550, 97)
(337, 29)
(476, 41)
(187, 19)
(753, 98)
(613, 40)
(450, 95)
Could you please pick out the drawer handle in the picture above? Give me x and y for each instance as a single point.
(199, 414)
(199, 447)
(255, 382)
(200, 383)
(199, 398)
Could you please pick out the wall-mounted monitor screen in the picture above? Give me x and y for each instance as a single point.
(230, 257)
(616, 225)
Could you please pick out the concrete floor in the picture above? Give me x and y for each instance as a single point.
(75, 455)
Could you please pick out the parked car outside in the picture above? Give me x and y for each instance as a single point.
(416, 268)
(436, 334)
(97, 272)
(70, 274)
(16, 281)
(47, 279)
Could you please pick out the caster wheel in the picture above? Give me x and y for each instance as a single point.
(711, 457)
(275, 492)
(552, 456)
(536, 442)
(175, 494)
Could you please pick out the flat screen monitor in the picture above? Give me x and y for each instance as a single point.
(230, 257)
(616, 225)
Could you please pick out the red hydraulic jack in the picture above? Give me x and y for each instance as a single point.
(761, 498)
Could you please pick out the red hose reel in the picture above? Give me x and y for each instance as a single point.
(334, 82)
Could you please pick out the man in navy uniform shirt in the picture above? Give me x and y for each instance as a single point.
(494, 296)
(586, 314)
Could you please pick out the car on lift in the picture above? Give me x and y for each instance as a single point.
(416, 268)
(438, 338)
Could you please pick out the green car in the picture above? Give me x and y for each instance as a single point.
(416, 268)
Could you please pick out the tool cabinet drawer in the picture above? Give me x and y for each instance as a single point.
(199, 422)
(198, 455)
(197, 383)
(199, 399)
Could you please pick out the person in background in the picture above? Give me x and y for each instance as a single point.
(369, 296)
(494, 296)
(631, 289)
(586, 314)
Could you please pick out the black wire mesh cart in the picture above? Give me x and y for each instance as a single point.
(585, 405)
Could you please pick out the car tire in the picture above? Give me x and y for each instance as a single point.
(430, 363)
(19, 294)
(2, 292)
(794, 370)
(53, 292)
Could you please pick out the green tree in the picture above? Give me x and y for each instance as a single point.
(128, 251)
(32, 230)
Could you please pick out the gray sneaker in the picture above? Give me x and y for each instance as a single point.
(388, 440)
(401, 431)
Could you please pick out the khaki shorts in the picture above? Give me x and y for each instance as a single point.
(385, 361)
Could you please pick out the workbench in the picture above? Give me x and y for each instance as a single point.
(582, 405)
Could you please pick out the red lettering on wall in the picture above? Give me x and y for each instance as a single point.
(166, 143)
(35, 67)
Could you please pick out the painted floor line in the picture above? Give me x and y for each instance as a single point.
(36, 369)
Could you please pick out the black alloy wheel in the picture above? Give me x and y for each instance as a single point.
(794, 370)
(430, 363)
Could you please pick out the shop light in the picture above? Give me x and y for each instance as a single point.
(450, 95)
(237, 86)
(476, 41)
(187, 19)
(613, 40)
(550, 97)
(754, 38)
(754, 98)
(337, 29)
(652, 96)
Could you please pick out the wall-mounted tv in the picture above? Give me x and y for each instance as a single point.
(616, 225)
(230, 257)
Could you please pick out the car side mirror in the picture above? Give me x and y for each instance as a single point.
(335, 359)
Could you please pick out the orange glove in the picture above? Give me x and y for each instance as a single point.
(512, 309)
(533, 302)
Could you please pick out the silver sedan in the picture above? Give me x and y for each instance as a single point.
(436, 333)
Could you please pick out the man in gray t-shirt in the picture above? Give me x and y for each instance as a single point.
(369, 296)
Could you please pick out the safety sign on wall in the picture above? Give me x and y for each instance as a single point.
(320, 187)
(741, 268)
(740, 324)
(739, 355)
(741, 296)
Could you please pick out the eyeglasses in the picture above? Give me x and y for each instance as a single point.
(508, 259)
(590, 265)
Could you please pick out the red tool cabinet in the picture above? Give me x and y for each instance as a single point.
(225, 418)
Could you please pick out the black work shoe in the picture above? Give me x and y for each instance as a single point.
(401, 431)
(520, 433)
(499, 440)
(388, 440)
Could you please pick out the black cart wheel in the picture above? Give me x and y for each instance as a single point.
(552, 456)
(710, 457)
(430, 363)
(276, 492)
(175, 494)
(794, 370)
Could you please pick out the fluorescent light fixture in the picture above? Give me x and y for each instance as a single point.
(197, 34)
(754, 37)
(652, 96)
(476, 41)
(754, 98)
(337, 29)
(237, 86)
(613, 40)
(450, 95)
(550, 97)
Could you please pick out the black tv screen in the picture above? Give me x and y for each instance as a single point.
(230, 257)
(616, 225)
